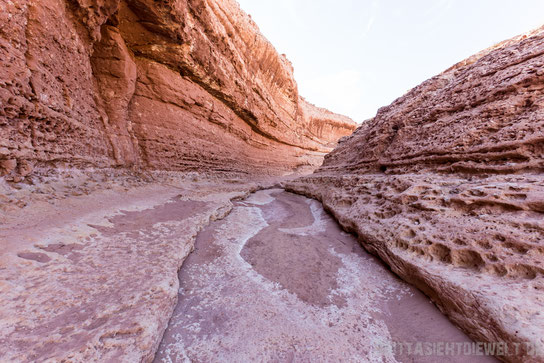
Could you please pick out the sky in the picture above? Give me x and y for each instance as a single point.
(355, 56)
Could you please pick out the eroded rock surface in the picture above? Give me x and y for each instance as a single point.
(445, 185)
(94, 277)
(170, 85)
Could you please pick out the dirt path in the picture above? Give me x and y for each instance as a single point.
(277, 280)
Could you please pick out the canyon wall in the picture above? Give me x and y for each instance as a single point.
(446, 186)
(170, 85)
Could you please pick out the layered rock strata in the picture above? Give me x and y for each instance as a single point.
(445, 185)
(172, 85)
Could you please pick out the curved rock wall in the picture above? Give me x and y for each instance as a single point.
(323, 125)
(445, 185)
(177, 85)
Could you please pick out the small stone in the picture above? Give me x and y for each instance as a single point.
(25, 167)
(7, 166)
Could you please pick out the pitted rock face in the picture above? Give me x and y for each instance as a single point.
(445, 185)
(175, 85)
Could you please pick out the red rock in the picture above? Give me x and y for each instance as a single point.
(445, 185)
(172, 85)
(8, 166)
(24, 168)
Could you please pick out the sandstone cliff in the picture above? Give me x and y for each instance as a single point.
(171, 85)
(445, 185)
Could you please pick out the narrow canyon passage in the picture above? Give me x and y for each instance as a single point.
(278, 280)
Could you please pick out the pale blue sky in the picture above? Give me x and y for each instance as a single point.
(354, 56)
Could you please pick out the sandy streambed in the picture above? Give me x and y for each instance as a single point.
(278, 280)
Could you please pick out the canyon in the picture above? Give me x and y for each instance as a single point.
(156, 165)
